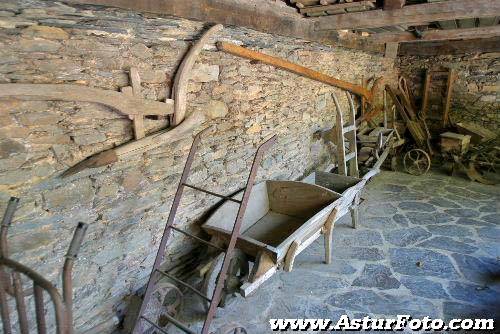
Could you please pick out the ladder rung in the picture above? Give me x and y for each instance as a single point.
(212, 193)
(197, 238)
(350, 156)
(171, 319)
(184, 284)
(349, 128)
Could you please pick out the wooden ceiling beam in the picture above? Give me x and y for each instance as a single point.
(411, 15)
(437, 35)
(437, 48)
(393, 4)
(262, 15)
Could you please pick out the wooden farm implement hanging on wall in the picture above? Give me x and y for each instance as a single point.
(128, 102)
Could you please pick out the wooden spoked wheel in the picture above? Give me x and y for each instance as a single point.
(417, 162)
(169, 300)
(238, 269)
(232, 329)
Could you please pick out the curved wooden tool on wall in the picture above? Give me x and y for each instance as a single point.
(128, 102)
(183, 74)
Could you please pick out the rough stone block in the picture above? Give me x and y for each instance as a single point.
(45, 32)
(77, 193)
(205, 73)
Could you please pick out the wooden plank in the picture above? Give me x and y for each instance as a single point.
(447, 102)
(339, 129)
(449, 24)
(393, 4)
(391, 50)
(450, 47)
(127, 104)
(412, 15)
(271, 17)
(467, 23)
(294, 68)
(437, 35)
(425, 94)
(338, 7)
(248, 288)
(139, 131)
(298, 199)
(488, 21)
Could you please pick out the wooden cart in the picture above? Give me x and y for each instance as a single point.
(282, 219)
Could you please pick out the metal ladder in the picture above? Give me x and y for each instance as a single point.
(350, 134)
(156, 273)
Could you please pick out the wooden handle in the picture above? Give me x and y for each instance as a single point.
(294, 68)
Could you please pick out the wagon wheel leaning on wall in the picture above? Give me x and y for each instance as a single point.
(417, 162)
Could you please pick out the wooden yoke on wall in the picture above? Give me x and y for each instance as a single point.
(128, 102)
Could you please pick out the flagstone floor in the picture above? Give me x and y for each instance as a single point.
(426, 246)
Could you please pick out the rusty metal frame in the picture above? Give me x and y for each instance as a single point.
(11, 284)
(156, 272)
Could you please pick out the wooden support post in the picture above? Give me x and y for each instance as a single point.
(447, 102)
(354, 211)
(328, 234)
(391, 50)
(135, 79)
(294, 68)
(425, 94)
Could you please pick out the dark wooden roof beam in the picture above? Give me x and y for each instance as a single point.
(437, 35)
(411, 15)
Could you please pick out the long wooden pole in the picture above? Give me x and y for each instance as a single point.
(294, 68)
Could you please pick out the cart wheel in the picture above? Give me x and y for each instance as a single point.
(166, 299)
(232, 329)
(238, 269)
(417, 162)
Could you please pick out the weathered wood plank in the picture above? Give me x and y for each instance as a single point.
(339, 7)
(415, 14)
(450, 47)
(393, 4)
(127, 104)
(271, 17)
(437, 35)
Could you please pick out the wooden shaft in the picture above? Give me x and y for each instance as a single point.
(294, 68)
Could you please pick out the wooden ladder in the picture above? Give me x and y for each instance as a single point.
(157, 273)
(350, 134)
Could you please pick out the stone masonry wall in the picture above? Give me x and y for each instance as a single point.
(476, 93)
(126, 204)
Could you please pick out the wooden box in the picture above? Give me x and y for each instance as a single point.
(454, 143)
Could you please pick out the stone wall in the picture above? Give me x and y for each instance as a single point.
(126, 204)
(476, 92)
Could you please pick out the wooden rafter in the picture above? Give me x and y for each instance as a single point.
(435, 48)
(265, 16)
(411, 15)
(437, 35)
(337, 7)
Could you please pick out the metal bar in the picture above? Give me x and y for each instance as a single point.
(198, 238)
(212, 193)
(174, 321)
(184, 284)
(67, 280)
(6, 221)
(39, 309)
(20, 303)
(235, 233)
(166, 232)
(4, 306)
(59, 307)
